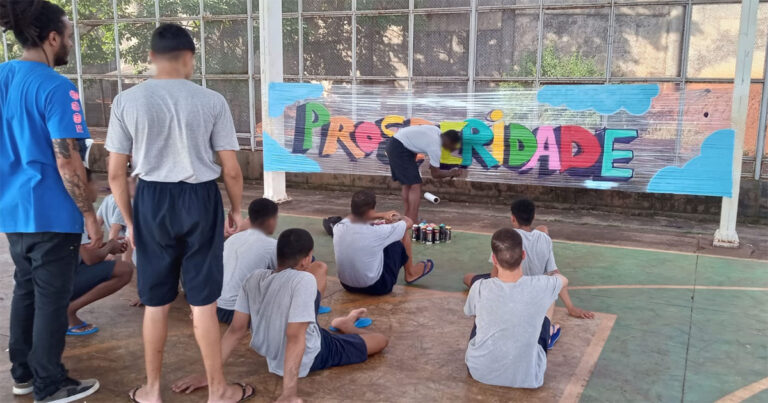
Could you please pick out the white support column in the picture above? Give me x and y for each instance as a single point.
(271, 40)
(726, 235)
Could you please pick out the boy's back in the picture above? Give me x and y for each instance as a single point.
(274, 299)
(539, 256)
(244, 253)
(359, 249)
(172, 128)
(509, 316)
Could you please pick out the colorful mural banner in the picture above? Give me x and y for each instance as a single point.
(632, 137)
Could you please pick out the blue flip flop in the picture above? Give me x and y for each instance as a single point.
(554, 337)
(429, 265)
(360, 323)
(323, 309)
(71, 330)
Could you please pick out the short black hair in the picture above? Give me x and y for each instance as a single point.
(293, 245)
(523, 210)
(171, 38)
(261, 210)
(363, 201)
(453, 136)
(31, 20)
(507, 246)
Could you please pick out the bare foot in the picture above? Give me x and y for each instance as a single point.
(346, 324)
(143, 395)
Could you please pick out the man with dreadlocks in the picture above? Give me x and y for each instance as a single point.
(44, 197)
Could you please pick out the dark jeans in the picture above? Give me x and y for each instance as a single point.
(45, 267)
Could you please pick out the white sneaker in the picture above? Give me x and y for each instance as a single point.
(24, 388)
(72, 390)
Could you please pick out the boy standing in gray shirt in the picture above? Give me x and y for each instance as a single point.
(173, 129)
(508, 345)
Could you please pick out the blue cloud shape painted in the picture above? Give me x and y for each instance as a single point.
(606, 99)
(284, 94)
(278, 159)
(707, 174)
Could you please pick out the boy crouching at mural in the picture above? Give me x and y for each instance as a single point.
(369, 254)
(513, 313)
(540, 258)
(401, 152)
(281, 306)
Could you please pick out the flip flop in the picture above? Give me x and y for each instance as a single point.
(360, 323)
(71, 331)
(554, 337)
(246, 395)
(132, 394)
(323, 309)
(427, 263)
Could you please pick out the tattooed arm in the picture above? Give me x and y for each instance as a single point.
(72, 173)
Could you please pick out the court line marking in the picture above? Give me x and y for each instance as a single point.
(664, 286)
(583, 372)
(582, 243)
(745, 393)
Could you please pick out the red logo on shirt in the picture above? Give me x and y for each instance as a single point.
(74, 95)
(76, 106)
(79, 128)
(78, 118)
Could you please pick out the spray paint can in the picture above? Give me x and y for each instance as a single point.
(415, 233)
(423, 233)
(443, 238)
(430, 236)
(448, 234)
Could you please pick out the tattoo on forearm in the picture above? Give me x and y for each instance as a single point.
(63, 148)
(77, 188)
(76, 185)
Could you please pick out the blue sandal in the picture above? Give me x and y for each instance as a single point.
(360, 323)
(554, 337)
(429, 265)
(71, 331)
(323, 310)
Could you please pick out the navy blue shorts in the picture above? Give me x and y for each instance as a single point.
(338, 349)
(402, 163)
(179, 232)
(479, 277)
(89, 276)
(395, 257)
(225, 315)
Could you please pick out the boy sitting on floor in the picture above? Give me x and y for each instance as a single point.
(281, 306)
(508, 344)
(369, 255)
(251, 250)
(96, 278)
(540, 258)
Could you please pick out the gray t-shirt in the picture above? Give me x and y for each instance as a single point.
(505, 351)
(244, 253)
(424, 139)
(172, 129)
(109, 212)
(539, 256)
(359, 249)
(274, 299)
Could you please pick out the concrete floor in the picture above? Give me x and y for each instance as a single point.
(671, 326)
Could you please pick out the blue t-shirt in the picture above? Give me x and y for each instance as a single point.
(37, 104)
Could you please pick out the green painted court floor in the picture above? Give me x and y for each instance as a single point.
(689, 328)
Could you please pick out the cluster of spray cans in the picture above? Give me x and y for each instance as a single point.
(431, 234)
